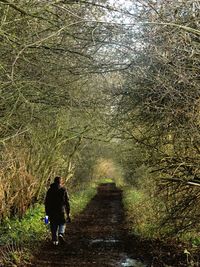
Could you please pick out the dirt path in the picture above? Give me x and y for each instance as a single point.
(98, 237)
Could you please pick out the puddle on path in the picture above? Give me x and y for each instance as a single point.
(128, 262)
(101, 240)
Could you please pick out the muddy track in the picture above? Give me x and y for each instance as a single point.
(99, 237)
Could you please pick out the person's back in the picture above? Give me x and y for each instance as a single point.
(57, 207)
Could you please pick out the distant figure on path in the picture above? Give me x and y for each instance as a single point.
(58, 209)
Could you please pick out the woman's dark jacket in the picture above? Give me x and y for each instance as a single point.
(57, 204)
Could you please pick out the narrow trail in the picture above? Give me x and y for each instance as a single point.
(98, 237)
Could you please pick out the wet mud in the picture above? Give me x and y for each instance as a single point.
(99, 237)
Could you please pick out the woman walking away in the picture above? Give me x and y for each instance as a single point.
(57, 208)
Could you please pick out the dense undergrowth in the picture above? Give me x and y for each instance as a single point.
(140, 213)
(145, 216)
(19, 237)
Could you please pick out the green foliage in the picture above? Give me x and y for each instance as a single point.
(29, 228)
(20, 237)
(140, 212)
(79, 200)
(146, 212)
(105, 180)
